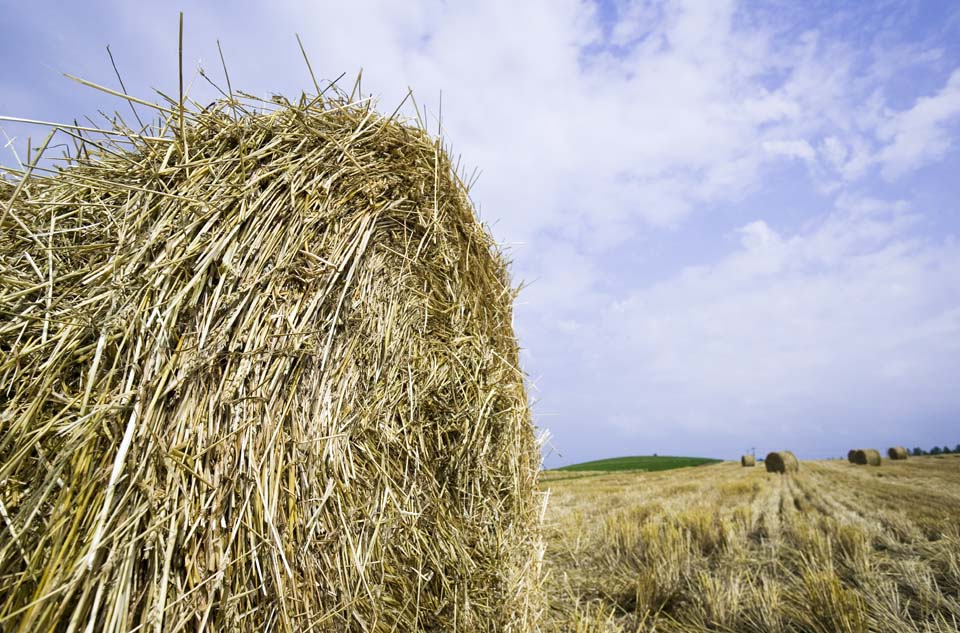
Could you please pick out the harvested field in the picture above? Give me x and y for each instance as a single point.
(832, 547)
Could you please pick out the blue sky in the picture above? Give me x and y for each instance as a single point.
(738, 221)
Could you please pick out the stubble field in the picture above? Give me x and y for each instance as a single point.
(834, 548)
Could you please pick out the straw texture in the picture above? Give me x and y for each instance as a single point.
(781, 462)
(866, 457)
(897, 452)
(258, 373)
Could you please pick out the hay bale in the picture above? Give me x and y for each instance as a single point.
(267, 372)
(897, 452)
(866, 457)
(781, 462)
(748, 460)
(850, 454)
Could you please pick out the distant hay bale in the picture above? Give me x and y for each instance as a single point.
(748, 460)
(866, 457)
(266, 379)
(897, 452)
(781, 462)
(850, 455)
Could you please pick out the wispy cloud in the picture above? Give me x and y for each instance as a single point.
(850, 326)
(923, 133)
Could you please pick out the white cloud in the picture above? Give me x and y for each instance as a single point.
(834, 151)
(847, 323)
(790, 149)
(758, 236)
(921, 134)
(896, 142)
(678, 106)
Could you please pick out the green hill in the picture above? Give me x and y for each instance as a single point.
(639, 462)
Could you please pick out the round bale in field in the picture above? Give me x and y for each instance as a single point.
(897, 452)
(850, 455)
(269, 382)
(866, 457)
(781, 462)
(748, 460)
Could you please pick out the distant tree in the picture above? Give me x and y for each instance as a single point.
(946, 449)
(918, 451)
(935, 450)
(956, 449)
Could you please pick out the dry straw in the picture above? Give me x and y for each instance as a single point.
(897, 452)
(258, 373)
(866, 457)
(781, 462)
(748, 460)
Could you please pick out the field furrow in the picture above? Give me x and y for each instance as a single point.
(835, 547)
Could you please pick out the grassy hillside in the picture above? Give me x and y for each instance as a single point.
(648, 463)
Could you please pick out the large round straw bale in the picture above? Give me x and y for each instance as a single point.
(866, 457)
(850, 455)
(781, 462)
(897, 452)
(748, 460)
(266, 379)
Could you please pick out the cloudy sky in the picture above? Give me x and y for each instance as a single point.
(738, 222)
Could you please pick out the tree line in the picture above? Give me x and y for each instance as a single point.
(936, 450)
